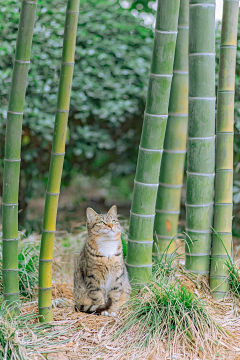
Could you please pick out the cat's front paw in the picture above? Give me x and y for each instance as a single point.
(106, 313)
(112, 314)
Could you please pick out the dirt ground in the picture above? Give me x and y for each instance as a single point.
(89, 336)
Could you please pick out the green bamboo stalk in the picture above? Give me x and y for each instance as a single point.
(201, 135)
(56, 165)
(139, 253)
(171, 172)
(13, 151)
(224, 151)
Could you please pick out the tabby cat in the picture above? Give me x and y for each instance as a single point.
(101, 282)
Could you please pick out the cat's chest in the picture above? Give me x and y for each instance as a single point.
(107, 248)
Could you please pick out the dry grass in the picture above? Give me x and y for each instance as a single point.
(75, 335)
(83, 336)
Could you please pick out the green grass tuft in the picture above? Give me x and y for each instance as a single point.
(166, 310)
(28, 260)
(234, 273)
(10, 347)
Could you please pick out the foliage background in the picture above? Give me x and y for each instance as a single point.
(113, 54)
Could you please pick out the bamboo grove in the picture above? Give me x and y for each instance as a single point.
(180, 111)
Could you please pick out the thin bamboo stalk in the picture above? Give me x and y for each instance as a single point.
(13, 151)
(56, 165)
(224, 150)
(172, 165)
(139, 253)
(201, 135)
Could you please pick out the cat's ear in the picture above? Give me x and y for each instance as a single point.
(91, 214)
(113, 212)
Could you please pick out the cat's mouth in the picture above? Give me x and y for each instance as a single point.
(110, 233)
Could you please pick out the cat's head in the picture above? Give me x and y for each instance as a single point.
(103, 224)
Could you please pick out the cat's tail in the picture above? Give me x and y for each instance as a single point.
(97, 309)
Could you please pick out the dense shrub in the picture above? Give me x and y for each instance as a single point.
(113, 55)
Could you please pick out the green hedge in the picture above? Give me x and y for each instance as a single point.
(113, 55)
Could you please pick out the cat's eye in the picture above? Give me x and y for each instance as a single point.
(101, 223)
(114, 222)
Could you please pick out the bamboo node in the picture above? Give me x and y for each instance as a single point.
(22, 61)
(51, 193)
(57, 154)
(224, 233)
(14, 293)
(15, 112)
(47, 288)
(12, 160)
(161, 75)
(201, 138)
(228, 46)
(72, 12)
(45, 307)
(148, 265)
(224, 132)
(223, 170)
(166, 32)
(199, 174)
(140, 242)
(224, 204)
(201, 98)
(9, 269)
(67, 63)
(159, 116)
(167, 212)
(226, 91)
(199, 205)
(183, 27)
(13, 239)
(62, 111)
(5, 204)
(144, 184)
(48, 231)
(203, 53)
(141, 215)
(150, 150)
(43, 260)
(203, 5)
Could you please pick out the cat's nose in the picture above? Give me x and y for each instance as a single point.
(110, 225)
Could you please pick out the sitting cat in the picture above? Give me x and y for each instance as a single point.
(101, 282)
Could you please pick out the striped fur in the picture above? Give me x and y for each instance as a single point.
(101, 282)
